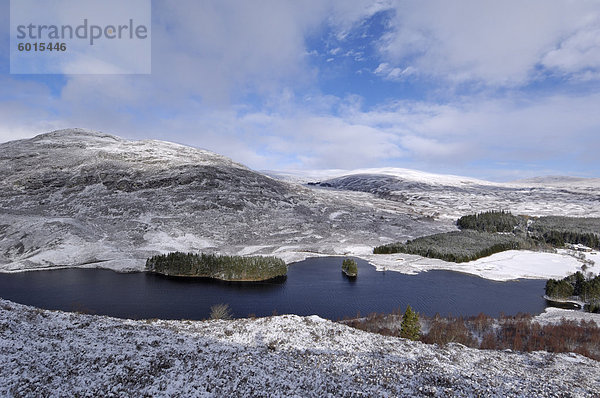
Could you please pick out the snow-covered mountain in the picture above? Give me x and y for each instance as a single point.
(561, 180)
(81, 198)
(306, 176)
(453, 196)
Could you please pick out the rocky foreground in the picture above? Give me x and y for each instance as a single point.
(46, 353)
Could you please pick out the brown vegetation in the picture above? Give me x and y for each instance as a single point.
(518, 333)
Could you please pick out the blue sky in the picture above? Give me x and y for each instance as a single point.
(497, 90)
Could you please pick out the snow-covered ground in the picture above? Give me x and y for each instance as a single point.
(508, 265)
(556, 315)
(46, 353)
(87, 199)
(450, 197)
(81, 198)
(76, 198)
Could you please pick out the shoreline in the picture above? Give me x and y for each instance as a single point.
(504, 266)
(214, 278)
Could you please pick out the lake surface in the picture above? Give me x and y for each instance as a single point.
(314, 286)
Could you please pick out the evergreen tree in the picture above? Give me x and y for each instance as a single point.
(410, 327)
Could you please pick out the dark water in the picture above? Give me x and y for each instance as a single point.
(314, 286)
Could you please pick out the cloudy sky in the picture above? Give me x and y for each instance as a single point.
(493, 89)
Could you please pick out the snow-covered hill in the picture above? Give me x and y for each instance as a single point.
(81, 198)
(560, 181)
(450, 197)
(305, 176)
(48, 353)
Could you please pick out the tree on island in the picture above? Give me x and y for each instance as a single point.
(410, 327)
(349, 267)
(229, 268)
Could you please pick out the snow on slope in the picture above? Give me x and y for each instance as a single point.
(82, 198)
(47, 353)
(559, 181)
(450, 197)
(88, 199)
(503, 266)
(552, 315)
(304, 176)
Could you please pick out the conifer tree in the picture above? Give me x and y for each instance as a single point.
(410, 327)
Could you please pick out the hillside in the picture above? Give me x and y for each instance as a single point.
(452, 196)
(88, 199)
(81, 198)
(45, 352)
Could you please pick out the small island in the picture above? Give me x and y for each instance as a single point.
(350, 268)
(225, 268)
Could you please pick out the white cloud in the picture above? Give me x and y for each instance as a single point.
(496, 42)
(394, 73)
(512, 130)
(210, 55)
(539, 134)
(219, 49)
(25, 109)
(433, 150)
(578, 52)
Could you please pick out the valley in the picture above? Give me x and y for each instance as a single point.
(77, 198)
(77, 204)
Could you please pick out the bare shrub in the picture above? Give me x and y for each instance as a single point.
(518, 333)
(481, 323)
(220, 311)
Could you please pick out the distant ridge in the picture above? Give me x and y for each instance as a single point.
(556, 179)
(400, 173)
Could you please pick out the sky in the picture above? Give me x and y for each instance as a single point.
(500, 90)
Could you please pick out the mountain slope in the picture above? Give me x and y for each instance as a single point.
(79, 355)
(452, 196)
(75, 197)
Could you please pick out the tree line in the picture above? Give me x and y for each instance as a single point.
(491, 221)
(457, 246)
(576, 286)
(492, 232)
(552, 230)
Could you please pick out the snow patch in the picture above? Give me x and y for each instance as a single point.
(171, 242)
(336, 214)
(504, 266)
(552, 315)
